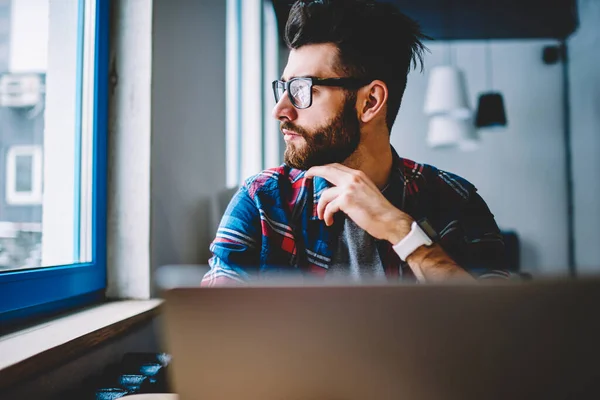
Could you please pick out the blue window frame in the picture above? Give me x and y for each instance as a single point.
(41, 291)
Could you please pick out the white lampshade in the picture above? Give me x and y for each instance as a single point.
(446, 131)
(447, 93)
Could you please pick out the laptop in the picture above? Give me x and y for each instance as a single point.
(534, 340)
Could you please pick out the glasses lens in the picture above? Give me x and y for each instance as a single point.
(300, 92)
(278, 90)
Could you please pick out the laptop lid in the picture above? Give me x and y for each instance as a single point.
(503, 341)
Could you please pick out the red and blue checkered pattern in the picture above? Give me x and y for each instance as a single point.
(271, 228)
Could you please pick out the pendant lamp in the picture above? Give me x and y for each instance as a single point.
(446, 93)
(490, 106)
(445, 132)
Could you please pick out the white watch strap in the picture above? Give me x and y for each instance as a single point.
(415, 239)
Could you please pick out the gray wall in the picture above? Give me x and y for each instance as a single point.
(188, 126)
(584, 76)
(519, 171)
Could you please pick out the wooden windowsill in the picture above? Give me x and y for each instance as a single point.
(41, 347)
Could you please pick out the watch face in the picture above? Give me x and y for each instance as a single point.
(428, 229)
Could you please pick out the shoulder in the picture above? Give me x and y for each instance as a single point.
(425, 177)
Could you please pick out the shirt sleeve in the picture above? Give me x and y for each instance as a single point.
(467, 228)
(475, 242)
(236, 247)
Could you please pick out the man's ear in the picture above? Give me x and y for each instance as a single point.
(372, 101)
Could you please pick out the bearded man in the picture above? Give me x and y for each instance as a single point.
(344, 205)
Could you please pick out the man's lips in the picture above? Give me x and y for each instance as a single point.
(290, 135)
(288, 132)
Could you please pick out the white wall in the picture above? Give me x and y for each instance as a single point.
(584, 76)
(519, 171)
(129, 139)
(188, 126)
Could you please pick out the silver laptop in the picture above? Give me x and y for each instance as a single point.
(538, 340)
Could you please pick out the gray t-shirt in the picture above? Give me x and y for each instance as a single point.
(355, 257)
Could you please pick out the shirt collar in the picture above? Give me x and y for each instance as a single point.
(319, 185)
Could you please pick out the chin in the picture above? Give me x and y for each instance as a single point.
(292, 161)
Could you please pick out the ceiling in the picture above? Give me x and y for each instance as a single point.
(481, 19)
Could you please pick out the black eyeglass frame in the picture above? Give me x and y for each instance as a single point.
(347, 83)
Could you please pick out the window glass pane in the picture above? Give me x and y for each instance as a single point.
(46, 70)
(24, 171)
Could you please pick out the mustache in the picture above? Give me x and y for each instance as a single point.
(294, 128)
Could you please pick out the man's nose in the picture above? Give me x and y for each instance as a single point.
(284, 109)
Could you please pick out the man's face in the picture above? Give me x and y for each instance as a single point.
(326, 132)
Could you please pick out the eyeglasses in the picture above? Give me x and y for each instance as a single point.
(300, 89)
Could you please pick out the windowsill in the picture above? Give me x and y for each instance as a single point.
(41, 347)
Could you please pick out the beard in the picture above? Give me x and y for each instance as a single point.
(332, 143)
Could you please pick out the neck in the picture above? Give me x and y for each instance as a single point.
(373, 157)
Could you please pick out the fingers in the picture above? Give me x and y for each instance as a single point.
(327, 196)
(351, 188)
(331, 209)
(340, 175)
(337, 174)
(325, 172)
(356, 177)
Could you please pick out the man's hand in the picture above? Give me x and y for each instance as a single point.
(357, 196)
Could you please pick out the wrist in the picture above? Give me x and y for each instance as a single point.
(419, 256)
(415, 239)
(399, 228)
(434, 265)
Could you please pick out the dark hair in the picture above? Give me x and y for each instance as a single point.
(375, 40)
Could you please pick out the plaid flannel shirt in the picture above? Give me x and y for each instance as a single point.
(271, 225)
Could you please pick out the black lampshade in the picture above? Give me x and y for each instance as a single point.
(490, 110)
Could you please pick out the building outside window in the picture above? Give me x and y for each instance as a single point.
(23, 66)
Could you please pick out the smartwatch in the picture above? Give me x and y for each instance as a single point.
(421, 234)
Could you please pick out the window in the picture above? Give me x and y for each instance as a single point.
(253, 137)
(24, 175)
(53, 120)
